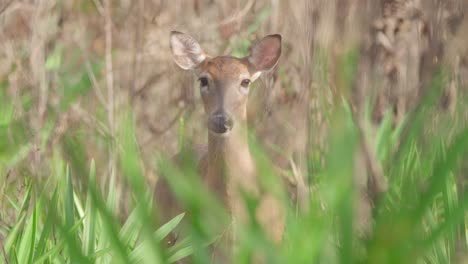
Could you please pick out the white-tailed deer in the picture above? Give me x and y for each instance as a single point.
(227, 167)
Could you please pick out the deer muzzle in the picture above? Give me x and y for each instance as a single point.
(220, 122)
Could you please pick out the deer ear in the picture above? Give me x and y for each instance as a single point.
(186, 51)
(265, 53)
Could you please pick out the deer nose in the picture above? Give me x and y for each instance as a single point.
(220, 122)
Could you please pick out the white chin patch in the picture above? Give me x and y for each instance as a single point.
(221, 135)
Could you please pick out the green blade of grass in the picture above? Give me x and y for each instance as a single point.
(159, 235)
(69, 203)
(13, 235)
(89, 229)
(51, 253)
(33, 236)
(452, 219)
(67, 232)
(131, 169)
(26, 245)
(44, 237)
(129, 232)
(180, 254)
(109, 224)
(113, 193)
(168, 227)
(25, 204)
(442, 168)
(17, 208)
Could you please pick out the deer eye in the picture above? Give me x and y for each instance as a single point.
(203, 81)
(245, 83)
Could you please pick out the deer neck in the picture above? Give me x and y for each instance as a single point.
(229, 159)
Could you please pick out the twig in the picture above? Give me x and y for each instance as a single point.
(161, 131)
(97, 89)
(239, 15)
(109, 70)
(147, 84)
(90, 120)
(284, 174)
(99, 7)
(136, 48)
(40, 79)
(3, 8)
(302, 189)
(110, 83)
(91, 75)
(376, 180)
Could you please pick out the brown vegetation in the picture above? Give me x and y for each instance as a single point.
(78, 62)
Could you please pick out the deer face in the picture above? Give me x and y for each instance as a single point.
(224, 80)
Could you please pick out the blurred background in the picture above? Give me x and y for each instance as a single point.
(71, 71)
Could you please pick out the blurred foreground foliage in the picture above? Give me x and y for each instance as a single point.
(76, 183)
(419, 220)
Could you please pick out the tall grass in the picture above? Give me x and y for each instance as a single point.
(419, 220)
(77, 186)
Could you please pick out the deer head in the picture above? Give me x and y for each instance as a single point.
(225, 80)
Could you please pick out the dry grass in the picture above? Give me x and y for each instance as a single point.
(72, 67)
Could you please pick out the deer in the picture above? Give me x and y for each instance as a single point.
(226, 165)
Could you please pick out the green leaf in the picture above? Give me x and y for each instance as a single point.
(130, 230)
